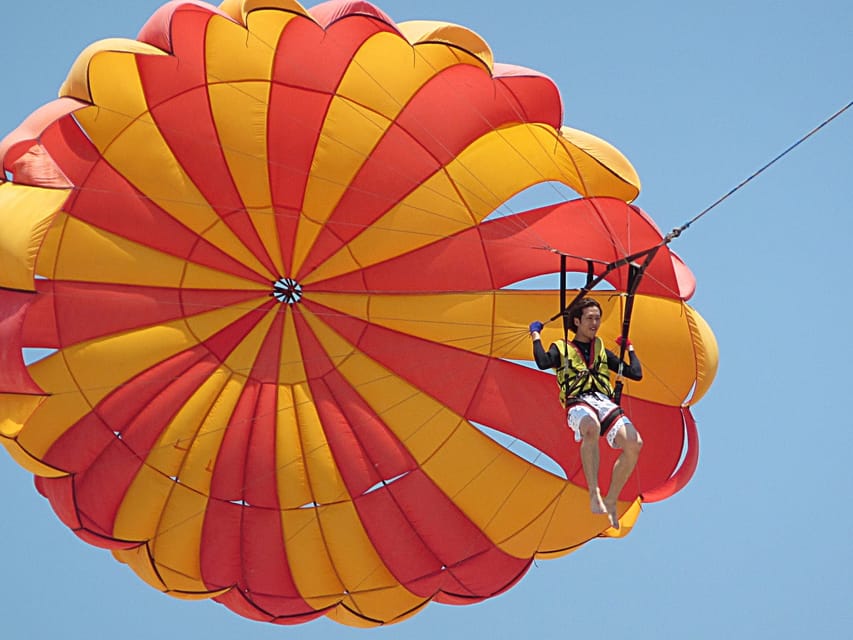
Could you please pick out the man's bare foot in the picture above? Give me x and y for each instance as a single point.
(612, 514)
(596, 504)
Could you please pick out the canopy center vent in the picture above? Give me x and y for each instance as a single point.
(287, 290)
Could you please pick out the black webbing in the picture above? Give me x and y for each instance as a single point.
(635, 274)
(592, 280)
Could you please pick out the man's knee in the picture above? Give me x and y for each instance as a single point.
(590, 429)
(632, 442)
(627, 438)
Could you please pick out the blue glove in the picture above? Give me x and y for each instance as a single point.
(535, 326)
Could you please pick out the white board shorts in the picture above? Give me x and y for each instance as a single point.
(601, 409)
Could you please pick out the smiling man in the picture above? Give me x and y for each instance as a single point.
(583, 374)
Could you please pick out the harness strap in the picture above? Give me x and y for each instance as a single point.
(635, 275)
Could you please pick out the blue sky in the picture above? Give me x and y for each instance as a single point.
(698, 96)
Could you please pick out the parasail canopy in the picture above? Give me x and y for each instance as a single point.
(268, 262)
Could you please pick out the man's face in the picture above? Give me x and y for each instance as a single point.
(588, 324)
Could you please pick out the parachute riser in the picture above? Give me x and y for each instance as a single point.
(635, 275)
(593, 281)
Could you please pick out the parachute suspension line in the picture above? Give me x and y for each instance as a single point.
(676, 232)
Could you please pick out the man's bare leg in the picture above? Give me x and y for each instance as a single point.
(589, 459)
(629, 440)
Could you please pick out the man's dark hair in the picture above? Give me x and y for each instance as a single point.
(576, 311)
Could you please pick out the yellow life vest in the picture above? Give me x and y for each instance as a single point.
(575, 376)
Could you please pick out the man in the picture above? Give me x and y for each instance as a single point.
(583, 373)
